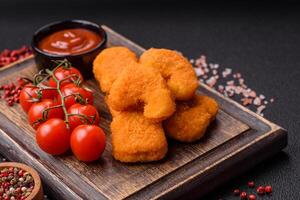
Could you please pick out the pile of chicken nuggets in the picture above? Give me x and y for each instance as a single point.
(151, 98)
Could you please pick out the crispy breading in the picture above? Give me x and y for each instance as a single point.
(138, 87)
(112, 111)
(191, 119)
(136, 138)
(109, 64)
(176, 70)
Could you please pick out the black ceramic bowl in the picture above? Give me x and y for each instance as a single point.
(82, 61)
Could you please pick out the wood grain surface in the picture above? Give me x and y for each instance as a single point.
(185, 167)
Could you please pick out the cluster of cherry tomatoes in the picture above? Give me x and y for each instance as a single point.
(62, 112)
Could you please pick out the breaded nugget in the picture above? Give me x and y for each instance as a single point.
(176, 70)
(138, 87)
(136, 138)
(110, 63)
(112, 111)
(191, 118)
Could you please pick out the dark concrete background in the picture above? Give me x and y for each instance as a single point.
(261, 40)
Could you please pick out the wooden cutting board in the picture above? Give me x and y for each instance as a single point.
(236, 141)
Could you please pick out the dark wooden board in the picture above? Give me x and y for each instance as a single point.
(237, 134)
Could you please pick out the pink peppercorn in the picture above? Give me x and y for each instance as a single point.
(236, 192)
(268, 189)
(243, 195)
(260, 190)
(251, 184)
(252, 197)
(20, 173)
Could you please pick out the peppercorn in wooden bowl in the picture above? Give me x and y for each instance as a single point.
(16, 179)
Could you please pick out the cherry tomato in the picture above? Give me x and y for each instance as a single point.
(51, 92)
(30, 94)
(35, 113)
(89, 111)
(53, 136)
(62, 73)
(71, 90)
(87, 142)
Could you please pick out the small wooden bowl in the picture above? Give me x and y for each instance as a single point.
(37, 192)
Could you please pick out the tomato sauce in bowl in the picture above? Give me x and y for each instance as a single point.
(78, 41)
(70, 41)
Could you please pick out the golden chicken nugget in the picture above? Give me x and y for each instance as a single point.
(142, 87)
(191, 119)
(112, 111)
(110, 63)
(175, 69)
(136, 138)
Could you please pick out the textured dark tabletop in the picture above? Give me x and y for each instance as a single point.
(262, 41)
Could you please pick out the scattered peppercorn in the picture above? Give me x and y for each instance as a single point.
(13, 186)
(11, 91)
(251, 184)
(252, 197)
(260, 190)
(268, 189)
(236, 192)
(243, 195)
(9, 56)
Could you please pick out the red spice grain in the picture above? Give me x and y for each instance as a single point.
(21, 173)
(9, 56)
(268, 189)
(13, 186)
(11, 91)
(252, 197)
(243, 195)
(260, 190)
(251, 184)
(236, 192)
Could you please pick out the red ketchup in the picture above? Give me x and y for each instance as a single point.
(70, 41)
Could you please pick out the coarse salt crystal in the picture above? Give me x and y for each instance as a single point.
(257, 101)
(241, 81)
(238, 90)
(245, 93)
(231, 93)
(244, 86)
(211, 81)
(229, 87)
(208, 73)
(198, 63)
(213, 66)
(261, 96)
(230, 82)
(201, 61)
(252, 94)
(226, 72)
(199, 71)
(260, 109)
(246, 101)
